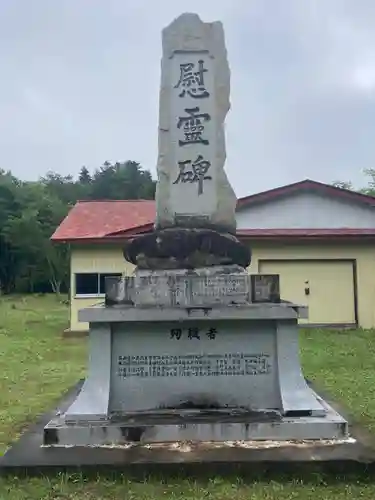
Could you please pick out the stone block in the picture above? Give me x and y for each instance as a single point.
(193, 189)
(205, 287)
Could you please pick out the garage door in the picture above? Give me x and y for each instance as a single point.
(326, 287)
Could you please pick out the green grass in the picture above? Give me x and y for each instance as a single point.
(343, 364)
(37, 365)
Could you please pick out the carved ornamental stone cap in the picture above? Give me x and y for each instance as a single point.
(178, 248)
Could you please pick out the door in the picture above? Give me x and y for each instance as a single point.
(326, 286)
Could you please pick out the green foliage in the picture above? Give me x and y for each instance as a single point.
(31, 211)
(121, 181)
(369, 189)
(343, 185)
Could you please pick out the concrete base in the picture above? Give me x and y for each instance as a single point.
(147, 359)
(197, 427)
(75, 334)
(29, 455)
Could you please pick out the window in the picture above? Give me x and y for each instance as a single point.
(87, 284)
(92, 283)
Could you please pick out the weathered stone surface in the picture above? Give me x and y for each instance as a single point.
(193, 189)
(185, 289)
(182, 288)
(203, 287)
(193, 366)
(265, 288)
(176, 248)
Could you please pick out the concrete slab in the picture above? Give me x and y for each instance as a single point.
(29, 456)
(125, 314)
(198, 426)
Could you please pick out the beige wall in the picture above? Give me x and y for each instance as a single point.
(98, 259)
(110, 259)
(363, 253)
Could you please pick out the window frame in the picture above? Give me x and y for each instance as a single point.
(98, 293)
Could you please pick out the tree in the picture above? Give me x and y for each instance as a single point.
(9, 205)
(64, 188)
(27, 233)
(84, 176)
(369, 189)
(343, 185)
(119, 181)
(31, 211)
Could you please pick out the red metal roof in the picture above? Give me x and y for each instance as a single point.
(110, 220)
(97, 219)
(307, 185)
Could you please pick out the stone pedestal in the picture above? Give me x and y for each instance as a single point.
(163, 374)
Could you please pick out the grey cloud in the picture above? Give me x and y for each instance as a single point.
(80, 85)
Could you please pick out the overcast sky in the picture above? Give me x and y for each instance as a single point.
(79, 85)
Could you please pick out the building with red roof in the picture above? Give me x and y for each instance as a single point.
(319, 238)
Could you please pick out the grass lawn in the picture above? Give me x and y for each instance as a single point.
(37, 365)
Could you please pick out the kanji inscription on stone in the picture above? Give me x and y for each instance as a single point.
(193, 126)
(191, 81)
(194, 365)
(194, 171)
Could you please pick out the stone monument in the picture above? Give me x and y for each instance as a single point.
(191, 347)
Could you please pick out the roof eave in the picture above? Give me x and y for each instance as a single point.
(305, 185)
(248, 237)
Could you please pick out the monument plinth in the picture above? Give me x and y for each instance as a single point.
(191, 347)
